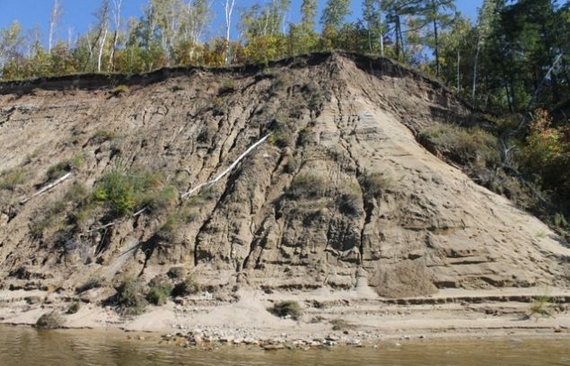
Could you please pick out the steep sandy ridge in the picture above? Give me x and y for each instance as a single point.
(341, 194)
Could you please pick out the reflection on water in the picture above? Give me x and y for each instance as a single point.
(21, 346)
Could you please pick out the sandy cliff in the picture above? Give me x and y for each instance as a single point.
(341, 194)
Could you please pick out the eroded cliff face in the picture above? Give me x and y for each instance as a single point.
(340, 191)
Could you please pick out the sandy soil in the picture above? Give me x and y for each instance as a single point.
(359, 315)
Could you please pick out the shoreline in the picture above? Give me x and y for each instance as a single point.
(328, 318)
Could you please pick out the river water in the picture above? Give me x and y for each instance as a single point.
(21, 346)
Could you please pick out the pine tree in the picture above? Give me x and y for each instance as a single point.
(334, 13)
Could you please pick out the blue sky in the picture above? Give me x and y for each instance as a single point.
(78, 14)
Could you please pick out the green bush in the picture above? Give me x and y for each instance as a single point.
(161, 200)
(159, 293)
(49, 321)
(307, 186)
(462, 145)
(12, 178)
(120, 90)
(124, 191)
(286, 308)
(129, 298)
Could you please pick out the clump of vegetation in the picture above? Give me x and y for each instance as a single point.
(74, 307)
(462, 145)
(349, 204)
(340, 324)
(375, 184)
(12, 178)
(291, 165)
(281, 135)
(160, 200)
(176, 272)
(159, 293)
(305, 135)
(540, 307)
(93, 282)
(123, 191)
(120, 90)
(545, 157)
(129, 298)
(307, 186)
(228, 86)
(102, 135)
(58, 170)
(187, 287)
(49, 321)
(287, 308)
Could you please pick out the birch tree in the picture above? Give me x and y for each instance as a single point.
(229, 8)
(486, 18)
(55, 16)
(102, 16)
(117, 6)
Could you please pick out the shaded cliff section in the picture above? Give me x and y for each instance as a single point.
(340, 195)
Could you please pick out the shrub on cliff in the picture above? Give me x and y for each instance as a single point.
(159, 293)
(286, 308)
(129, 298)
(49, 321)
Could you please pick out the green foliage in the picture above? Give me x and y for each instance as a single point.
(123, 191)
(129, 298)
(161, 200)
(463, 145)
(545, 156)
(12, 178)
(287, 308)
(159, 293)
(120, 90)
(541, 307)
(335, 12)
(49, 321)
(307, 186)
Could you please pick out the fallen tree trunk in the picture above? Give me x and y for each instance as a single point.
(230, 168)
(46, 188)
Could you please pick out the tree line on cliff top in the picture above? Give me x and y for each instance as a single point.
(512, 61)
